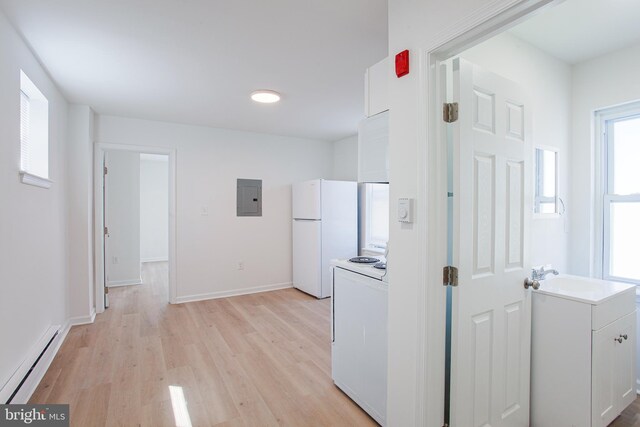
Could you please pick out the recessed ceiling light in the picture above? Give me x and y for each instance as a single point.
(265, 96)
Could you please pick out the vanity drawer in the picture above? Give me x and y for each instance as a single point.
(613, 309)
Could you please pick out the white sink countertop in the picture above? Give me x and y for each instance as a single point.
(583, 289)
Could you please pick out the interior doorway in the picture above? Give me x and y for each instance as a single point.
(136, 204)
(572, 61)
(135, 218)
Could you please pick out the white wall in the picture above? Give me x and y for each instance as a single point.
(345, 159)
(599, 83)
(122, 218)
(33, 242)
(548, 82)
(154, 211)
(211, 240)
(80, 213)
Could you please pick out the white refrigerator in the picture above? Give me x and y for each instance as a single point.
(325, 227)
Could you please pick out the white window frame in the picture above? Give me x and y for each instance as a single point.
(371, 244)
(37, 143)
(604, 134)
(539, 199)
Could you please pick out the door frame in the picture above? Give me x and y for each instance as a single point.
(98, 197)
(470, 30)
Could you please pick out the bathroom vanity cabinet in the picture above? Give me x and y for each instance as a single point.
(583, 351)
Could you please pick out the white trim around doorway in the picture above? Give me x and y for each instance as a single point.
(492, 19)
(99, 151)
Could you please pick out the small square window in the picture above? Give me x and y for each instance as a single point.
(34, 134)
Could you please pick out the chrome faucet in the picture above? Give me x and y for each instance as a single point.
(541, 273)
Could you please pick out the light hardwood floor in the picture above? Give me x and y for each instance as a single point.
(254, 360)
(630, 417)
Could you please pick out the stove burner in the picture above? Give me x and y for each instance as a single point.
(364, 260)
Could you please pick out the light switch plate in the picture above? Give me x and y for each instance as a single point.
(405, 211)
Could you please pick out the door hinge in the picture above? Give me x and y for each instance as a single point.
(106, 231)
(106, 170)
(106, 289)
(450, 112)
(449, 276)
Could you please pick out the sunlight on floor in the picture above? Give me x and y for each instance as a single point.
(180, 412)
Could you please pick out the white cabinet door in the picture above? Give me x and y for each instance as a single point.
(373, 149)
(613, 369)
(603, 375)
(491, 331)
(625, 362)
(376, 88)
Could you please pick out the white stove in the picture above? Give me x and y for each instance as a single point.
(365, 269)
(359, 333)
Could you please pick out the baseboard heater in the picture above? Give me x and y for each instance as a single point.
(29, 374)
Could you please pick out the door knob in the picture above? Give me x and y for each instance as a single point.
(619, 339)
(623, 336)
(528, 282)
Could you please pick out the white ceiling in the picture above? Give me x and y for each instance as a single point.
(197, 61)
(578, 30)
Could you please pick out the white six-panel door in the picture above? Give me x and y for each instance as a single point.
(491, 310)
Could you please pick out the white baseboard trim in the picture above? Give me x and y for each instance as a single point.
(83, 320)
(116, 283)
(41, 369)
(33, 380)
(638, 386)
(160, 259)
(31, 383)
(233, 293)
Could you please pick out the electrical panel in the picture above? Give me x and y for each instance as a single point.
(249, 197)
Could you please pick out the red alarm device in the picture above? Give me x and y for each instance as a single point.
(402, 63)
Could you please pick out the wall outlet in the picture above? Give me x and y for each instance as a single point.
(241, 265)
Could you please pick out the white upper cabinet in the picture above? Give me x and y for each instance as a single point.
(373, 131)
(373, 149)
(376, 88)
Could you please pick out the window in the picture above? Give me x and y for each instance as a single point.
(376, 233)
(546, 182)
(621, 198)
(34, 134)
